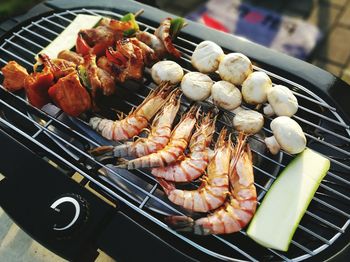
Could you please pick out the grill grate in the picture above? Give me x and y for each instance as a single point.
(327, 217)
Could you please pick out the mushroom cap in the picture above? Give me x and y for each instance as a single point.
(255, 88)
(288, 134)
(235, 68)
(196, 86)
(248, 121)
(206, 57)
(226, 95)
(282, 100)
(167, 71)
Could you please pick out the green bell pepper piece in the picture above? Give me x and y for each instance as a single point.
(176, 25)
(130, 17)
(83, 77)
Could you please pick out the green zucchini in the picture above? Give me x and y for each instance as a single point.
(66, 40)
(286, 201)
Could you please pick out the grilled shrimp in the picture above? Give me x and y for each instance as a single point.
(194, 165)
(71, 56)
(213, 191)
(157, 139)
(153, 42)
(173, 150)
(237, 211)
(149, 55)
(163, 33)
(137, 119)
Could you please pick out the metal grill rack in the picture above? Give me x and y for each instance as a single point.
(327, 217)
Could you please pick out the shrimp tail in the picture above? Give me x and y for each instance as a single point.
(180, 223)
(110, 151)
(186, 224)
(167, 186)
(102, 151)
(122, 163)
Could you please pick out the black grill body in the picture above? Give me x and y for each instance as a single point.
(115, 226)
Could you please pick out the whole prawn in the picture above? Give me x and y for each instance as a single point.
(194, 165)
(157, 139)
(173, 150)
(238, 209)
(213, 191)
(163, 33)
(137, 119)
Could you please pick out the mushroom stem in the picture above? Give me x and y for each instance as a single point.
(272, 145)
(268, 110)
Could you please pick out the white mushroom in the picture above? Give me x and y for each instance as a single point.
(235, 68)
(248, 121)
(236, 110)
(206, 57)
(226, 95)
(255, 88)
(167, 71)
(282, 102)
(287, 134)
(196, 86)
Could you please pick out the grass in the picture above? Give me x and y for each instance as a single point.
(9, 8)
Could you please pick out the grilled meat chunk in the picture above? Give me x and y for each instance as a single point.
(14, 75)
(69, 95)
(37, 85)
(98, 78)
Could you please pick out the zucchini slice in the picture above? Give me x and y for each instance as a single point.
(286, 201)
(67, 39)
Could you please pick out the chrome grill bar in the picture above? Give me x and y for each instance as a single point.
(28, 40)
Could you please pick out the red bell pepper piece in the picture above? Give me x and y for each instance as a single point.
(37, 85)
(100, 48)
(81, 46)
(69, 95)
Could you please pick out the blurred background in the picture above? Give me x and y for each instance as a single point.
(317, 31)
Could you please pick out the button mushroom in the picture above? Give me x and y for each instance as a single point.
(255, 88)
(226, 95)
(206, 57)
(235, 68)
(167, 71)
(287, 134)
(248, 121)
(282, 102)
(196, 86)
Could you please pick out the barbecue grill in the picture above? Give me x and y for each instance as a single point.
(122, 212)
